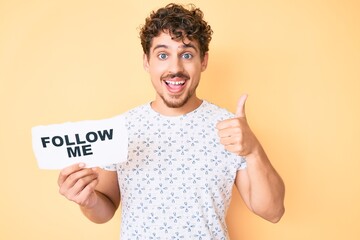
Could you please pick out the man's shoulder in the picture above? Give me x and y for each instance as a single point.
(138, 110)
(214, 109)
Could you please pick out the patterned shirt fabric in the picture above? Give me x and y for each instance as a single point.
(178, 179)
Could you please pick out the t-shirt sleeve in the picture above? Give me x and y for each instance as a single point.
(111, 167)
(241, 163)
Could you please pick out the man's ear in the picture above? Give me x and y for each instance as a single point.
(145, 62)
(204, 61)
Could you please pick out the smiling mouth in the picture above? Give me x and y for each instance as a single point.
(175, 83)
(175, 86)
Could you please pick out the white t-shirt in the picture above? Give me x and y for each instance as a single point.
(178, 180)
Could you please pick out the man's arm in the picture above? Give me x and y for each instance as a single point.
(96, 191)
(260, 186)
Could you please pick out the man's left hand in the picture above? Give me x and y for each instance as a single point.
(235, 133)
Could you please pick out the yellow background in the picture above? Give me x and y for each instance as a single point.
(299, 61)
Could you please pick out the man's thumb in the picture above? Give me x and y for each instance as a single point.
(240, 111)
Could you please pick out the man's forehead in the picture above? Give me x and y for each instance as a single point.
(165, 40)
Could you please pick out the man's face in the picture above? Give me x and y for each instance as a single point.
(175, 69)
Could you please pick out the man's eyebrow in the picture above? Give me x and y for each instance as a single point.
(160, 46)
(184, 46)
(189, 45)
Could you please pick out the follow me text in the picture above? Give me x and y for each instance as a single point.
(78, 146)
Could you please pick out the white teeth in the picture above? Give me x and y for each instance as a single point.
(175, 83)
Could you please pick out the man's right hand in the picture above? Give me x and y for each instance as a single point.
(78, 183)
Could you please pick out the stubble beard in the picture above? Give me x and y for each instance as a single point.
(176, 101)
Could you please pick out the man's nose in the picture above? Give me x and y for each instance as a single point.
(176, 65)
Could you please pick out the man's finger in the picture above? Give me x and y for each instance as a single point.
(64, 173)
(240, 111)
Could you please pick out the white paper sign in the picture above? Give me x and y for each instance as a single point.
(94, 142)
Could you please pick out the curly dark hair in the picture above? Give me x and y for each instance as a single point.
(180, 22)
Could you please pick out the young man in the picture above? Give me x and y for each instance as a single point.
(185, 154)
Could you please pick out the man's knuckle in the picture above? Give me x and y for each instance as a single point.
(62, 191)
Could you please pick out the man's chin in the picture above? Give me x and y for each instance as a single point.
(175, 102)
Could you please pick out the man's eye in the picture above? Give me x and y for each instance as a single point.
(187, 55)
(162, 56)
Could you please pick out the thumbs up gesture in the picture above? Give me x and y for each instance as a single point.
(235, 133)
